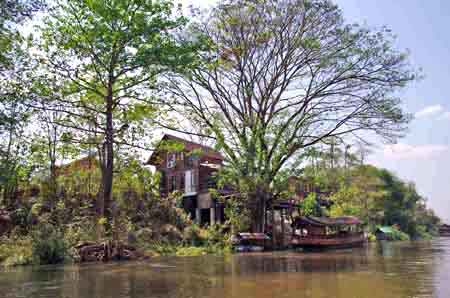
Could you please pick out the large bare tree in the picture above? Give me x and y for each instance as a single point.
(282, 76)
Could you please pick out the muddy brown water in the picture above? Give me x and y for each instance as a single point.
(406, 269)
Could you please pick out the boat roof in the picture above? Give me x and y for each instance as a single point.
(386, 230)
(253, 236)
(327, 221)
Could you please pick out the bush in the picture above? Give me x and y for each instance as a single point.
(398, 235)
(16, 251)
(422, 233)
(191, 251)
(192, 235)
(371, 237)
(48, 245)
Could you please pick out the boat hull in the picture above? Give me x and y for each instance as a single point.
(328, 242)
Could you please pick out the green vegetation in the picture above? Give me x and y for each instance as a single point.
(194, 242)
(98, 79)
(268, 92)
(376, 196)
(16, 251)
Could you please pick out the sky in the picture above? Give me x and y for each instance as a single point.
(423, 156)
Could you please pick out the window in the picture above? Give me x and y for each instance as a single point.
(172, 183)
(162, 182)
(171, 160)
(182, 182)
(189, 181)
(189, 161)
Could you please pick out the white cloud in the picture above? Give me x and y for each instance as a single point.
(405, 151)
(429, 111)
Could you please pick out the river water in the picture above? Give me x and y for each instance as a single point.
(401, 269)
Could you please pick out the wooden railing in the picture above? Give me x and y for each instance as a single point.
(331, 236)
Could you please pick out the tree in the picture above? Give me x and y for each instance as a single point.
(13, 114)
(105, 57)
(361, 194)
(283, 76)
(13, 12)
(50, 145)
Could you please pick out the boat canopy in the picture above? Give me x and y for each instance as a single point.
(253, 236)
(385, 230)
(326, 221)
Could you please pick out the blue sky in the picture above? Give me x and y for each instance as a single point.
(423, 156)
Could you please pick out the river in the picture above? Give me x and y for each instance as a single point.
(401, 269)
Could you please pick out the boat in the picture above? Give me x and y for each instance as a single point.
(444, 230)
(327, 232)
(250, 242)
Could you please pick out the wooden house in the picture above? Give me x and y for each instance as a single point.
(190, 169)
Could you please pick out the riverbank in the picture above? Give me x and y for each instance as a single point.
(53, 247)
(20, 251)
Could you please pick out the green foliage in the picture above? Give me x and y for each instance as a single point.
(262, 129)
(374, 195)
(192, 235)
(190, 251)
(371, 237)
(310, 206)
(197, 241)
(16, 251)
(48, 245)
(398, 235)
(237, 215)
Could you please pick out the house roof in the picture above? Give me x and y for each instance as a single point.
(85, 163)
(188, 146)
(326, 221)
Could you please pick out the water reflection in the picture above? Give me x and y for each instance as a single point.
(420, 269)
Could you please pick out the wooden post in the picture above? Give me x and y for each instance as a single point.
(212, 215)
(265, 221)
(197, 216)
(273, 227)
(282, 227)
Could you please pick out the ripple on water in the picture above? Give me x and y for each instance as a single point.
(410, 269)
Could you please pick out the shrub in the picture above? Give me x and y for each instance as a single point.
(48, 245)
(422, 233)
(16, 251)
(398, 235)
(192, 235)
(371, 237)
(191, 251)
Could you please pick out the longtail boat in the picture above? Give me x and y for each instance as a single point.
(444, 230)
(326, 233)
(250, 242)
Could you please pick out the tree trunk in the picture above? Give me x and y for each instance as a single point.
(258, 211)
(106, 162)
(109, 158)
